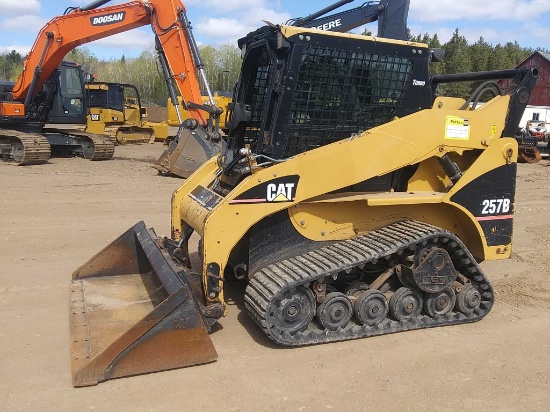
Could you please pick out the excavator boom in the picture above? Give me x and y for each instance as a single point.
(80, 26)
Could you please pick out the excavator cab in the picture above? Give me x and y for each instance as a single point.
(69, 102)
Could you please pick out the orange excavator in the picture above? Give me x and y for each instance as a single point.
(51, 91)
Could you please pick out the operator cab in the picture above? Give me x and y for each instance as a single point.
(301, 89)
(68, 105)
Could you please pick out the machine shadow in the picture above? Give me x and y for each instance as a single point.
(234, 295)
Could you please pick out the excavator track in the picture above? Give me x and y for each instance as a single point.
(93, 146)
(103, 148)
(273, 286)
(25, 148)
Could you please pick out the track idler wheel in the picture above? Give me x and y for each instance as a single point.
(293, 311)
(371, 307)
(120, 137)
(468, 299)
(335, 311)
(405, 304)
(439, 303)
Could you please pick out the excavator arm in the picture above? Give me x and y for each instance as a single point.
(83, 25)
(391, 16)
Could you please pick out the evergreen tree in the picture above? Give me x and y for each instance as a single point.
(457, 60)
(11, 65)
(515, 54)
(435, 43)
(498, 60)
(480, 52)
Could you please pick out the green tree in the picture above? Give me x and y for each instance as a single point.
(457, 60)
(85, 58)
(498, 59)
(480, 52)
(515, 54)
(11, 65)
(435, 41)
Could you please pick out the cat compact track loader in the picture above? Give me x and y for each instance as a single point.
(351, 200)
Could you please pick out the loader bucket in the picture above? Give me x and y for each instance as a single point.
(133, 311)
(187, 153)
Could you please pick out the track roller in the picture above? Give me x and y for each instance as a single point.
(468, 299)
(335, 311)
(405, 303)
(439, 303)
(371, 307)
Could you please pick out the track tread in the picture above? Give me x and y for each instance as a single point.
(103, 147)
(36, 148)
(270, 283)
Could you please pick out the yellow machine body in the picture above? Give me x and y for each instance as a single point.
(125, 123)
(319, 215)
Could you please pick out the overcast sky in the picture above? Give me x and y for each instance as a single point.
(218, 22)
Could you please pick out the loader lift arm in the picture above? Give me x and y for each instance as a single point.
(83, 25)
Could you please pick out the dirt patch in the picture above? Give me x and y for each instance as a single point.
(156, 113)
(56, 216)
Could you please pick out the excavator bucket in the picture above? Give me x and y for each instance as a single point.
(133, 311)
(187, 152)
(529, 154)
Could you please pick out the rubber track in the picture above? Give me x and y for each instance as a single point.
(271, 282)
(36, 148)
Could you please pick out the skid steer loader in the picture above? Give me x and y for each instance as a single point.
(351, 199)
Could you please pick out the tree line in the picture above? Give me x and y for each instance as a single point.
(223, 63)
(462, 57)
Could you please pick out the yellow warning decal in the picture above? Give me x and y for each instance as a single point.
(457, 128)
(494, 130)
